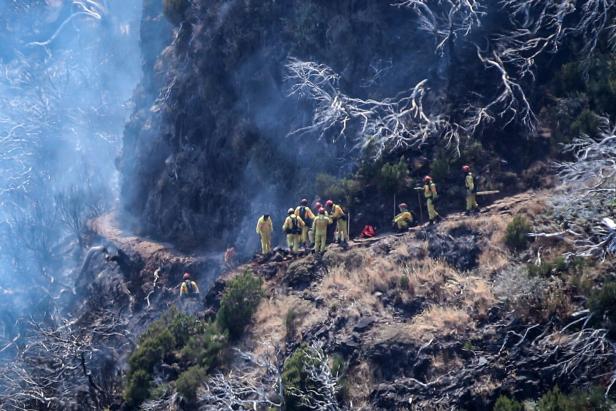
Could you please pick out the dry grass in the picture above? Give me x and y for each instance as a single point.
(360, 384)
(478, 295)
(432, 279)
(437, 321)
(269, 320)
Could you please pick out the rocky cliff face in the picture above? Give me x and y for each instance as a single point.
(210, 152)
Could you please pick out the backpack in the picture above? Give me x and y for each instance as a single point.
(295, 228)
(302, 215)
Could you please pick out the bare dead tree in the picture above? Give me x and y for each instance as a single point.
(373, 126)
(257, 382)
(58, 362)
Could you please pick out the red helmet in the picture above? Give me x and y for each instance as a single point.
(329, 203)
(318, 205)
(466, 168)
(321, 210)
(427, 178)
(186, 276)
(403, 205)
(304, 202)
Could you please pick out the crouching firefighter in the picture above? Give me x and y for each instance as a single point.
(293, 229)
(188, 288)
(403, 221)
(338, 216)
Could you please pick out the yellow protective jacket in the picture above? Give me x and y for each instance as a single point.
(404, 219)
(469, 182)
(337, 212)
(320, 224)
(185, 290)
(307, 213)
(264, 227)
(430, 191)
(288, 223)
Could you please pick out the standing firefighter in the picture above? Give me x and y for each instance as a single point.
(431, 196)
(319, 225)
(305, 213)
(188, 288)
(293, 229)
(338, 216)
(403, 221)
(264, 229)
(471, 190)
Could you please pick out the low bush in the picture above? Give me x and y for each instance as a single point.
(188, 382)
(587, 400)
(516, 235)
(330, 187)
(174, 336)
(504, 403)
(296, 380)
(238, 304)
(393, 177)
(602, 304)
(547, 268)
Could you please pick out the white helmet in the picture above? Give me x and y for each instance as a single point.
(291, 211)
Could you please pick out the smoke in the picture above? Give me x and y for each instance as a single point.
(67, 72)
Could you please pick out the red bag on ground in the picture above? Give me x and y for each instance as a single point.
(368, 232)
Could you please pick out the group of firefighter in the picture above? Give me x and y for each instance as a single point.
(303, 227)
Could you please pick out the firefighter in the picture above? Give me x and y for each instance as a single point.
(338, 216)
(471, 190)
(431, 196)
(402, 222)
(264, 230)
(320, 224)
(293, 229)
(305, 213)
(188, 288)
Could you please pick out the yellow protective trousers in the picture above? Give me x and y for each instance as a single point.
(293, 241)
(342, 231)
(266, 242)
(432, 213)
(304, 236)
(320, 241)
(471, 201)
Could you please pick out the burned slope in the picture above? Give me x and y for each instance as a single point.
(414, 329)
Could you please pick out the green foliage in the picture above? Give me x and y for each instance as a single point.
(239, 302)
(504, 403)
(602, 303)
(516, 235)
(290, 321)
(188, 382)
(546, 268)
(330, 187)
(393, 177)
(440, 168)
(587, 400)
(587, 122)
(205, 348)
(295, 378)
(404, 282)
(174, 10)
(174, 333)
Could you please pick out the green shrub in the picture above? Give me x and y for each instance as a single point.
(175, 333)
(238, 304)
(290, 321)
(330, 187)
(546, 268)
(296, 379)
(504, 403)
(404, 282)
(393, 177)
(587, 400)
(516, 235)
(174, 10)
(188, 382)
(602, 304)
(137, 388)
(204, 349)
